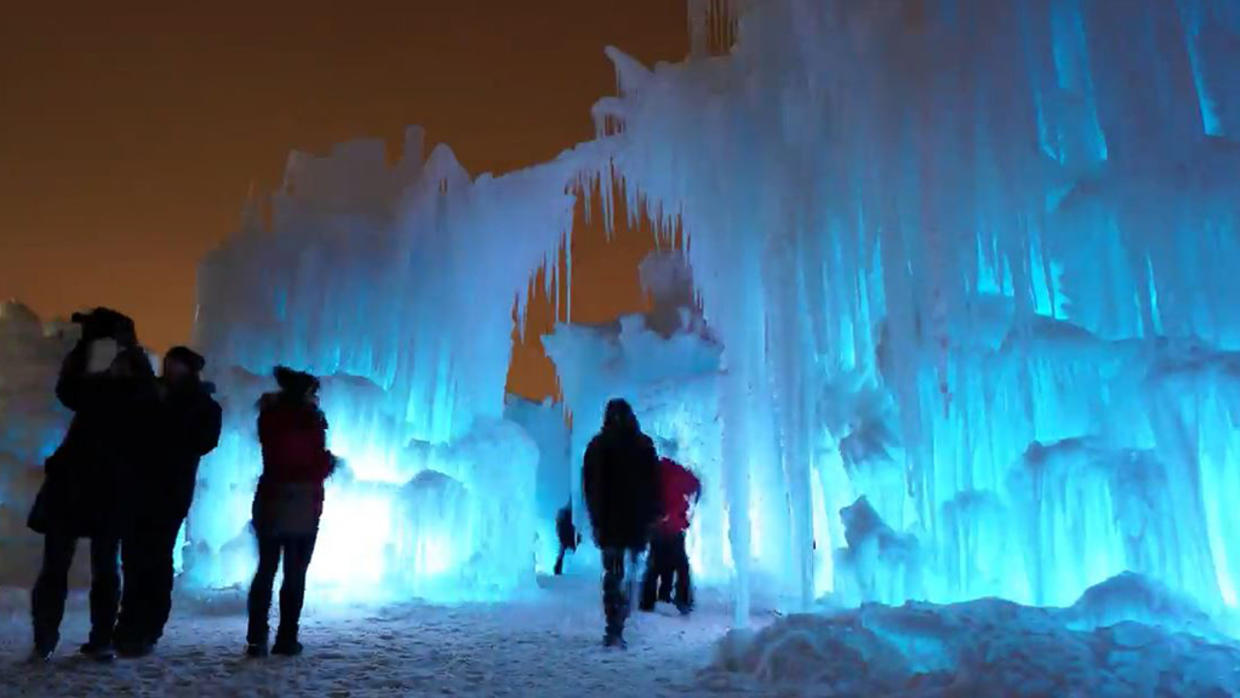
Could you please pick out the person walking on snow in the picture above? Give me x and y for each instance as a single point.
(619, 483)
(88, 487)
(186, 428)
(287, 505)
(678, 487)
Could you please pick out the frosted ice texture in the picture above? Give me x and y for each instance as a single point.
(32, 423)
(973, 261)
(1014, 227)
(399, 285)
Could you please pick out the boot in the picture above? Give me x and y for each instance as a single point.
(133, 649)
(98, 651)
(256, 650)
(286, 644)
(286, 648)
(41, 654)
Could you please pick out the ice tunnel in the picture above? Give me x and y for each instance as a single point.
(967, 267)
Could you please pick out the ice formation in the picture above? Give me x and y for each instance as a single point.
(32, 423)
(987, 647)
(398, 284)
(1016, 223)
(969, 260)
(544, 423)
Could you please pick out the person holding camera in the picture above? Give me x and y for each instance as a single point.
(109, 385)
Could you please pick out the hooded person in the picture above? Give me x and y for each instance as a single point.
(186, 428)
(89, 481)
(287, 505)
(620, 487)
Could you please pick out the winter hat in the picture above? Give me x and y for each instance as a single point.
(105, 322)
(295, 382)
(187, 356)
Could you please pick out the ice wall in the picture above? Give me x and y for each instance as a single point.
(546, 424)
(32, 424)
(1002, 236)
(971, 261)
(399, 284)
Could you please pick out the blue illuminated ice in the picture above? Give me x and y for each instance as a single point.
(1017, 222)
(987, 647)
(32, 423)
(398, 285)
(971, 261)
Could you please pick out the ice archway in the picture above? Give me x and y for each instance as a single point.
(971, 260)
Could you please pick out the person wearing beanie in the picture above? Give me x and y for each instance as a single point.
(287, 505)
(186, 428)
(88, 487)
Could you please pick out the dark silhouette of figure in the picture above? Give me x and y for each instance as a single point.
(568, 535)
(186, 428)
(88, 487)
(287, 505)
(668, 559)
(620, 487)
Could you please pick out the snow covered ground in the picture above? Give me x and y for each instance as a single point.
(547, 646)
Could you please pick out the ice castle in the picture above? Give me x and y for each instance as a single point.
(966, 273)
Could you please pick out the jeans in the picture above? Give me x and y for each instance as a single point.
(615, 594)
(668, 562)
(297, 551)
(146, 559)
(47, 599)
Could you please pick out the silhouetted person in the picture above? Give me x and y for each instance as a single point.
(620, 487)
(186, 428)
(568, 535)
(107, 381)
(669, 561)
(287, 505)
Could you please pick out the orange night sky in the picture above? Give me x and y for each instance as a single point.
(129, 135)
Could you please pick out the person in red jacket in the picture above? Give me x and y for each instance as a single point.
(287, 505)
(668, 558)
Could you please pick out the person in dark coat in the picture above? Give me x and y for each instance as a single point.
(568, 535)
(669, 560)
(108, 384)
(620, 487)
(287, 505)
(186, 428)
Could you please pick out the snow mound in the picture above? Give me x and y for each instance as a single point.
(1134, 597)
(986, 647)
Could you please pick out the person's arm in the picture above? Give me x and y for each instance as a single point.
(71, 384)
(326, 461)
(208, 422)
(654, 502)
(589, 480)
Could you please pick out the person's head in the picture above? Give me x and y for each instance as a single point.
(182, 365)
(105, 323)
(619, 416)
(297, 385)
